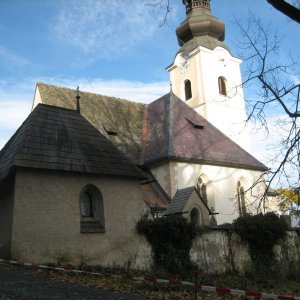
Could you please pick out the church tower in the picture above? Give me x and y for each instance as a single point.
(204, 73)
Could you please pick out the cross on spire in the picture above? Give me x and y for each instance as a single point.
(78, 100)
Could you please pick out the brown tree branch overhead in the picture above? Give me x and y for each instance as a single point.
(289, 10)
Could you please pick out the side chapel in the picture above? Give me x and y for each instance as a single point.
(83, 167)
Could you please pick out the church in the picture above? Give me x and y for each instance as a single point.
(83, 168)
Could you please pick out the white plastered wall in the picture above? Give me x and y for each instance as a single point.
(166, 175)
(204, 67)
(223, 184)
(37, 98)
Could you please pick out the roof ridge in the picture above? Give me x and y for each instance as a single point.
(57, 107)
(66, 146)
(91, 93)
(170, 126)
(158, 99)
(124, 117)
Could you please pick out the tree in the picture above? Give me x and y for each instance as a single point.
(165, 5)
(291, 10)
(274, 89)
(289, 201)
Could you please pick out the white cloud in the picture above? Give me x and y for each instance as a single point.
(135, 91)
(15, 106)
(4, 139)
(266, 146)
(16, 99)
(130, 90)
(13, 113)
(104, 28)
(261, 144)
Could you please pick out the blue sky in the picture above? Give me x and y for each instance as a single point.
(112, 47)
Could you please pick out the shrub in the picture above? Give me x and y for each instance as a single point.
(261, 233)
(171, 240)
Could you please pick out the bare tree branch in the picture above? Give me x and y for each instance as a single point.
(286, 8)
(163, 4)
(276, 94)
(290, 10)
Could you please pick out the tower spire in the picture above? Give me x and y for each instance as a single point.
(204, 73)
(200, 28)
(202, 6)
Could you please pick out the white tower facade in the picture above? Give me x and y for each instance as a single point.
(206, 76)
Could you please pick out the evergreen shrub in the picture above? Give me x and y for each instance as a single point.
(261, 233)
(171, 240)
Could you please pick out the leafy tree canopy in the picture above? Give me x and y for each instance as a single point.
(288, 201)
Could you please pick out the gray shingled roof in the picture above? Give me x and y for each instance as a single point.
(61, 139)
(123, 117)
(163, 129)
(174, 131)
(180, 199)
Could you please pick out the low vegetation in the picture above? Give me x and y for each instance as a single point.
(261, 233)
(171, 240)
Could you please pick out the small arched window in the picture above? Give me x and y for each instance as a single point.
(222, 86)
(201, 187)
(187, 90)
(86, 205)
(195, 217)
(91, 210)
(241, 199)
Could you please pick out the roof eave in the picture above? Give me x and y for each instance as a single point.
(160, 160)
(137, 177)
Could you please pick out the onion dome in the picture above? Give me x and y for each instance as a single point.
(200, 28)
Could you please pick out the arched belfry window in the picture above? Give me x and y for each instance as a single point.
(222, 86)
(241, 199)
(91, 210)
(187, 90)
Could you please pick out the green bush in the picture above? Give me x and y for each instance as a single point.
(261, 233)
(171, 241)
